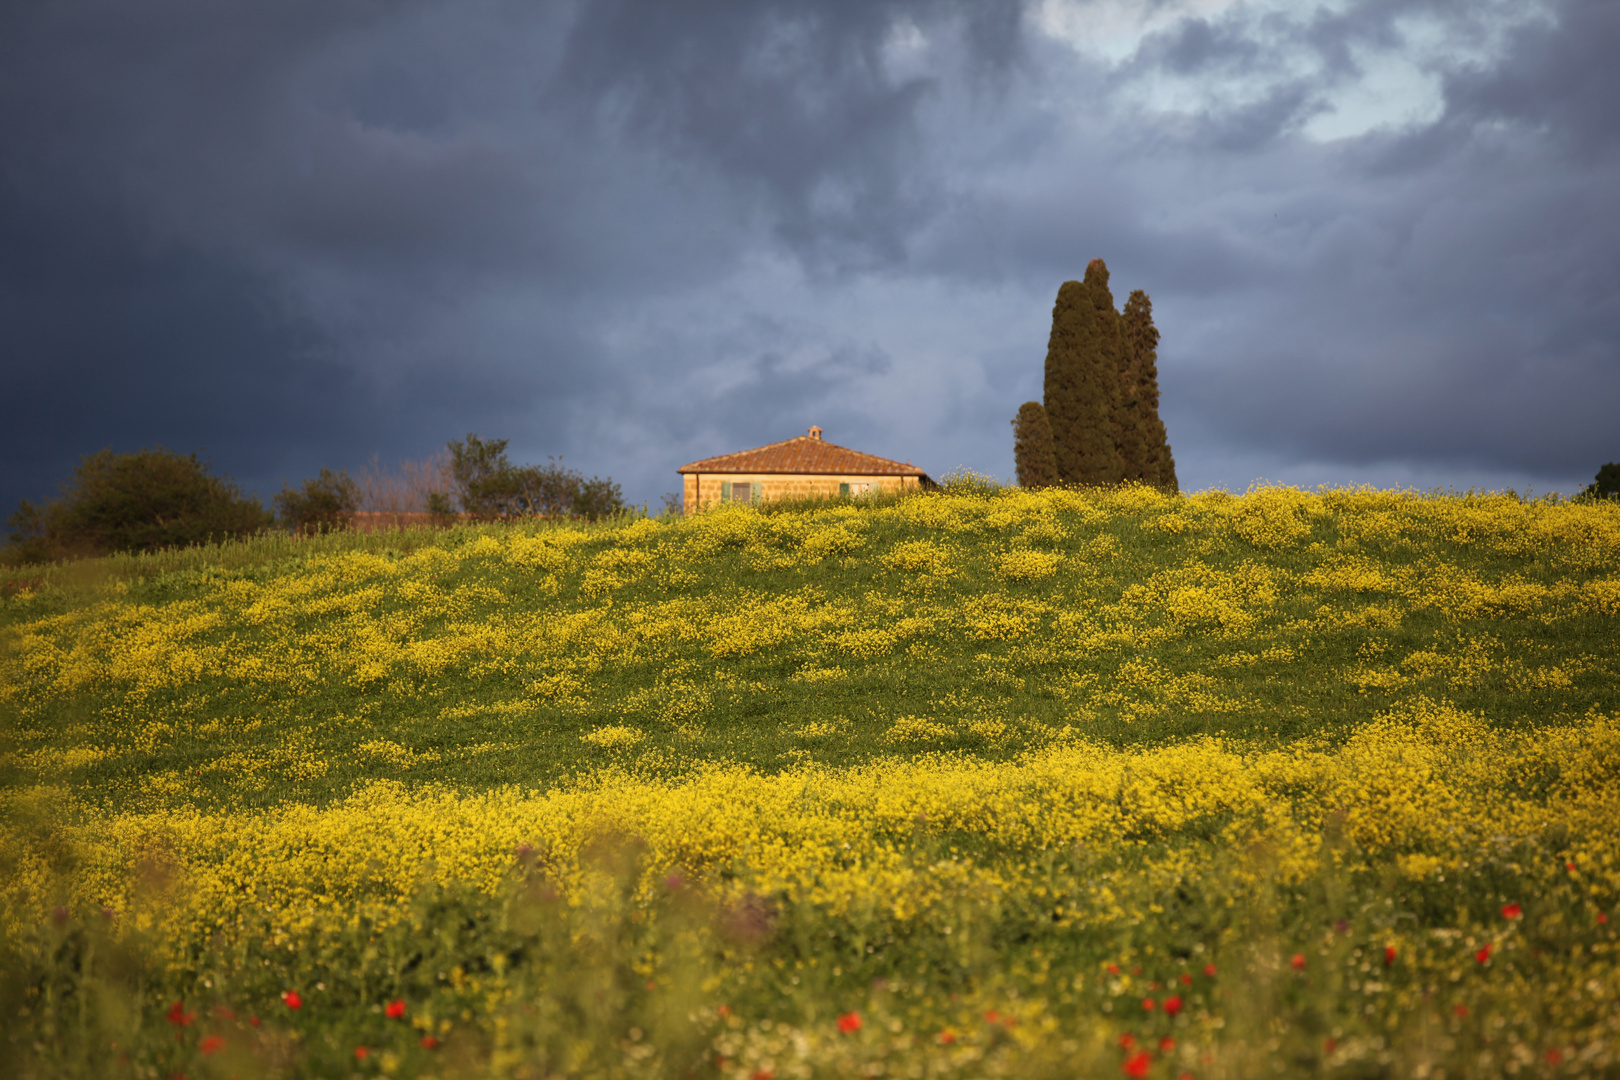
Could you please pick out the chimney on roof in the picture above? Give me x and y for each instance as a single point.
(815, 432)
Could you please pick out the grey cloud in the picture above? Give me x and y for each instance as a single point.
(1559, 78)
(793, 102)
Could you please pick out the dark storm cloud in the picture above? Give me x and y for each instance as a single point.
(793, 99)
(639, 233)
(1560, 79)
(1455, 297)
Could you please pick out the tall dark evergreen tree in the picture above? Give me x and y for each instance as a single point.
(1082, 379)
(1102, 387)
(1144, 444)
(1097, 451)
(1064, 388)
(1033, 452)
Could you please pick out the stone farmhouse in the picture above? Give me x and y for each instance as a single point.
(801, 467)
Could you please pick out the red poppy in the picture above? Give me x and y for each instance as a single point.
(1511, 911)
(992, 1017)
(254, 1020)
(1113, 969)
(1331, 1045)
(849, 1023)
(395, 1009)
(178, 1016)
(762, 1074)
(1172, 1005)
(1138, 1064)
(1186, 980)
(292, 999)
(361, 1053)
(1209, 970)
(1166, 1045)
(1603, 917)
(213, 1044)
(1127, 1041)
(1554, 1055)
(724, 1011)
(1298, 961)
(1136, 970)
(947, 1037)
(1570, 867)
(1148, 1004)
(1389, 955)
(1484, 953)
(1461, 1010)
(429, 1042)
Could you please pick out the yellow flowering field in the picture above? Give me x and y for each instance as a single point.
(972, 783)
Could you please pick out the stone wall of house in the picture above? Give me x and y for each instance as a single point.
(703, 489)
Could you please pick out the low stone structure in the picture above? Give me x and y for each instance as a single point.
(802, 467)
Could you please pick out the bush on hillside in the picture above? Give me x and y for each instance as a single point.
(325, 503)
(142, 501)
(598, 497)
(490, 487)
(1606, 485)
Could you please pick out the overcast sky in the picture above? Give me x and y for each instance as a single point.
(1382, 239)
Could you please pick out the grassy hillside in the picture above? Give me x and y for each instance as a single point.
(971, 783)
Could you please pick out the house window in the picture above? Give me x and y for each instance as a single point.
(740, 492)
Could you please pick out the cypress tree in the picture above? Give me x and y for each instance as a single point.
(1082, 379)
(1063, 389)
(1032, 447)
(1101, 347)
(1145, 446)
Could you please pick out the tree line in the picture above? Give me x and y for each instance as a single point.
(156, 498)
(1099, 421)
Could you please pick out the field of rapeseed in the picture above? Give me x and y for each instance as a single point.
(971, 783)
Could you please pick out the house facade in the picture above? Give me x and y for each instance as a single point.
(803, 467)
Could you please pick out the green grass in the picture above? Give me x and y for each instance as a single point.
(1123, 653)
(1075, 654)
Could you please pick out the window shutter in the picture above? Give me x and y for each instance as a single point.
(755, 492)
(843, 491)
(725, 491)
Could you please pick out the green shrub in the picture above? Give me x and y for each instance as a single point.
(324, 504)
(1606, 485)
(142, 501)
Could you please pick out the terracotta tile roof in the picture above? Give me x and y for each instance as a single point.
(805, 454)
